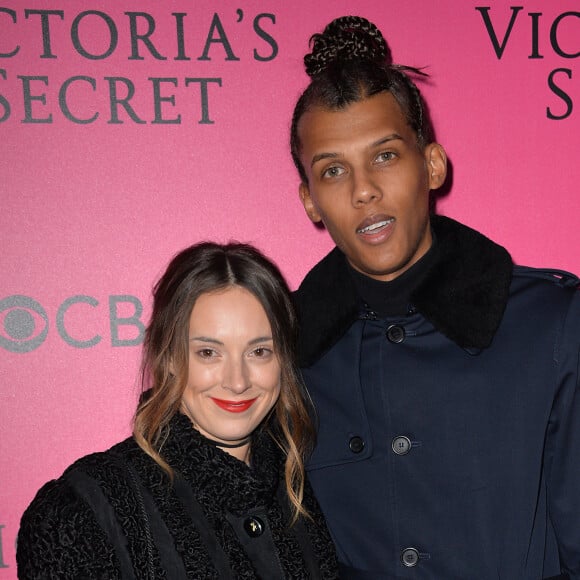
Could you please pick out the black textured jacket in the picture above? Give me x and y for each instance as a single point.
(115, 515)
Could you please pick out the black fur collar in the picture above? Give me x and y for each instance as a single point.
(221, 478)
(464, 295)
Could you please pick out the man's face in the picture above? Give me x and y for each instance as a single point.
(368, 182)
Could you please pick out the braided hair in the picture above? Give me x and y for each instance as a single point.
(350, 61)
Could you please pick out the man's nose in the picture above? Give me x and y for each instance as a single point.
(364, 188)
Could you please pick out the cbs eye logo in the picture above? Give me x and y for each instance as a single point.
(23, 324)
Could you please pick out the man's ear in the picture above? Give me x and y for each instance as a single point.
(308, 203)
(436, 159)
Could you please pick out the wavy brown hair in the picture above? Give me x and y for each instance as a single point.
(207, 267)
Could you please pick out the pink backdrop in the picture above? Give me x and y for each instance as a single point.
(91, 212)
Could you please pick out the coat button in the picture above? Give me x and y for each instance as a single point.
(396, 333)
(410, 557)
(254, 526)
(401, 445)
(356, 444)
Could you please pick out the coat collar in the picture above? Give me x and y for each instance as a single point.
(464, 295)
(226, 481)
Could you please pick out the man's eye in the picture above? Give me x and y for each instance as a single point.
(385, 156)
(333, 171)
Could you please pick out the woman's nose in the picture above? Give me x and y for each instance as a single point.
(236, 377)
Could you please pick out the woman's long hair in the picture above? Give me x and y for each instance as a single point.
(208, 267)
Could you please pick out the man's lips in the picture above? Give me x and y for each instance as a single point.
(234, 406)
(374, 225)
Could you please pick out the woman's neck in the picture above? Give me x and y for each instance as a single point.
(240, 450)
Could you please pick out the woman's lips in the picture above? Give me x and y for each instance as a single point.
(234, 406)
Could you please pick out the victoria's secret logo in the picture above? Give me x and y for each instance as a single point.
(190, 42)
(500, 25)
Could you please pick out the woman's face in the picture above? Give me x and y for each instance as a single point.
(234, 371)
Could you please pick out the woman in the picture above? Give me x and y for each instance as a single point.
(212, 484)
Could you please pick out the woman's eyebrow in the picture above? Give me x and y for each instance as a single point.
(206, 339)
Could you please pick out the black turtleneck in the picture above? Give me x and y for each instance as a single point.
(393, 298)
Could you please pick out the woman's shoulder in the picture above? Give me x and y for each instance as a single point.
(103, 464)
(58, 495)
(59, 535)
(59, 532)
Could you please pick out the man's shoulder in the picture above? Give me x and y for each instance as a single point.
(327, 287)
(329, 267)
(327, 304)
(554, 288)
(546, 296)
(549, 276)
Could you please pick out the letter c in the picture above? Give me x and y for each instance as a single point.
(554, 35)
(60, 321)
(15, 51)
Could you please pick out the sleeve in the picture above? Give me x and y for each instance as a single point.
(563, 445)
(60, 538)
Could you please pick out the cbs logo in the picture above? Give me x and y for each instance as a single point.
(24, 323)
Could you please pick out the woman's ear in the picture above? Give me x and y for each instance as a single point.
(436, 159)
(171, 368)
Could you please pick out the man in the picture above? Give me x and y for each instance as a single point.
(445, 378)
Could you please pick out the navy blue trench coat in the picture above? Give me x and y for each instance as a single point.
(449, 438)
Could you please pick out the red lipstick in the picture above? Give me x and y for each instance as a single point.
(234, 406)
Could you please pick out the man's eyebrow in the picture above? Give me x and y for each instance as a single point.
(383, 140)
(320, 156)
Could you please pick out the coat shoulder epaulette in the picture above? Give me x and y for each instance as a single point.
(559, 277)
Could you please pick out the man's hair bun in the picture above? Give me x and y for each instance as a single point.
(348, 38)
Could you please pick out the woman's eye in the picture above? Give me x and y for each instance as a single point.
(206, 353)
(262, 352)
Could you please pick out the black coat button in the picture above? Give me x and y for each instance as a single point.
(410, 557)
(401, 445)
(396, 333)
(254, 526)
(356, 444)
